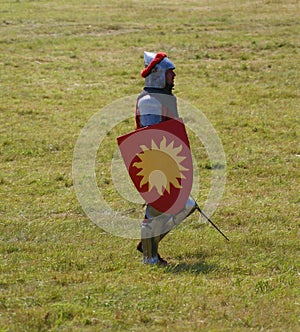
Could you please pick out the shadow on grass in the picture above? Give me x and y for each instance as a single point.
(198, 266)
(195, 268)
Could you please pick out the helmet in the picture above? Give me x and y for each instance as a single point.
(156, 65)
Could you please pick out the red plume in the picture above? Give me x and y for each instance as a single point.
(157, 59)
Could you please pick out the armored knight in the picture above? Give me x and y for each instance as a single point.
(155, 104)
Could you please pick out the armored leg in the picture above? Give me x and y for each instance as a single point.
(151, 231)
(161, 223)
(189, 208)
(156, 226)
(149, 246)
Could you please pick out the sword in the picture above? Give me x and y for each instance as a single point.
(215, 226)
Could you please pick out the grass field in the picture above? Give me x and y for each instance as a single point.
(63, 61)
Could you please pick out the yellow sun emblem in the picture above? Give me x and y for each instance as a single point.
(161, 166)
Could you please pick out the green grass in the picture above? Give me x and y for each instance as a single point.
(60, 63)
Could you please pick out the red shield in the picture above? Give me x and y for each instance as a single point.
(159, 162)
